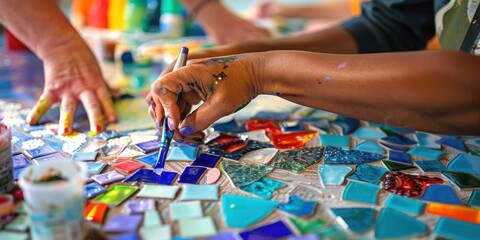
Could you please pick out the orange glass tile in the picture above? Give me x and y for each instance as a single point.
(267, 124)
(95, 212)
(292, 140)
(461, 213)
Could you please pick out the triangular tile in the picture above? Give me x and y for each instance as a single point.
(394, 224)
(241, 211)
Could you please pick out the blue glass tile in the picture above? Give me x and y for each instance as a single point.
(427, 140)
(233, 126)
(191, 175)
(119, 223)
(335, 155)
(95, 167)
(426, 153)
(348, 124)
(370, 146)
(465, 163)
(368, 173)
(150, 160)
(361, 192)
(395, 147)
(292, 126)
(333, 175)
(335, 140)
(224, 236)
(150, 176)
(206, 160)
(431, 166)
(440, 193)
(148, 146)
(273, 230)
(271, 115)
(182, 152)
(15, 151)
(84, 156)
(358, 219)
(399, 140)
(474, 200)
(47, 158)
(405, 204)
(453, 143)
(264, 187)
(455, 229)
(139, 206)
(368, 133)
(40, 151)
(298, 206)
(394, 224)
(399, 157)
(241, 211)
(16, 172)
(93, 189)
(20, 161)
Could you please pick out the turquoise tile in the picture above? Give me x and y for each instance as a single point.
(428, 140)
(197, 228)
(368, 173)
(182, 152)
(426, 153)
(14, 235)
(335, 140)
(474, 200)
(369, 133)
(465, 163)
(298, 206)
(405, 204)
(152, 219)
(199, 192)
(241, 211)
(430, 165)
(20, 223)
(333, 175)
(361, 192)
(94, 168)
(394, 224)
(264, 187)
(441, 193)
(185, 210)
(158, 191)
(455, 229)
(157, 232)
(357, 219)
(334, 155)
(370, 146)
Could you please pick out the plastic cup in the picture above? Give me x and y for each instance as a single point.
(6, 167)
(55, 208)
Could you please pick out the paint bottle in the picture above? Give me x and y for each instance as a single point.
(79, 11)
(135, 16)
(116, 10)
(171, 19)
(98, 14)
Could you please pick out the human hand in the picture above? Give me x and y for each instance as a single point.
(265, 9)
(72, 76)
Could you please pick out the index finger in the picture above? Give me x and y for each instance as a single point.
(41, 107)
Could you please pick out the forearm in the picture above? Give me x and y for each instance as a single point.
(430, 91)
(326, 10)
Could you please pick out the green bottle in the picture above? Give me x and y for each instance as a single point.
(135, 17)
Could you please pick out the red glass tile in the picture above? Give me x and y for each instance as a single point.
(128, 166)
(95, 212)
(267, 124)
(408, 185)
(292, 140)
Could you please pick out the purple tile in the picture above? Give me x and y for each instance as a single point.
(206, 160)
(51, 157)
(453, 143)
(150, 176)
(274, 230)
(191, 175)
(119, 223)
(108, 177)
(399, 157)
(150, 160)
(140, 206)
(15, 151)
(40, 151)
(148, 146)
(20, 161)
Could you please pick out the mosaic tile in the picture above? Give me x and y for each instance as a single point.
(405, 204)
(182, 152)
(368, 173)
(449, 228)
(191, 175)
(440, 193)
(197, 228)
(399, 140)
(333, 175)
(348, 124)
(214, 138)
(119, 223)
(430, 166)
(427, 140)
(213, 175)
(185, 210)
(20, 223)
(17, 172)
(275, 230)
(308, 226)
(206, 160)
(150, 160)
(465, 163)
(151, 219)
(335, 140)
(199, 192)
(116, 194)
(335, 155)
(15, 151)
(239, 152)
(140, 206)
(20, 161)
(307, 237)
(84, 156)
(371, 147)
(154, 233)
(261, 156)
(473, 142)
(264, 187)
(395, 147)
(474, 200)
(397, 130)
(408, 185)
(298, 206)
(368, 133)
(39, 151)
(47, 158)
(426, 153)
(127, 166)
(158, 191)
(94, 168)
(292, 126)
(271, 115)
(458, 212)
(400, 157)
(292, 140)
(150, 176)
(257, 135)
(241, 211)
(108, 177)
(394, 224)
(93, 189)
(224, 236)
(95, 212)
(232, 126)
(358, 219)
(130, 153)
(463, 180)
(148, 146)
(297, 160)
(243, 174)
(268, 125)
(454, 143)
(395, 166)
(308, 192)
(361, 192)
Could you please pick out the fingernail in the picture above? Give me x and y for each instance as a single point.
(170, 124)
(187, 130)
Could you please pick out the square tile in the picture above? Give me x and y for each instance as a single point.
(93, 189)
(191, 175)
(158, 191)
(128, 166)
(151, 219)
(20, 161)
(40, 151)
(197, 228)
(206, 160)
(199, 192)
(150, 160)
(335, 140)
(148, 146)
(156, 233)
(140, 206)
(182, 152)
(108, 177)
(51, 157)
(95, 167)
(84, 156)
(95, 212)
(185, 210)
(119, 223)
(116, 194)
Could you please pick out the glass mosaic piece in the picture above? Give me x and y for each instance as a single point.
(279, 116)
(473, 142)
(268, 125)
(399, 140)
(428, 140)
(14, 235)
(191, 175)
(151, 219)
(371, 147)
(197, 228)
(185, 210)
(51, 157)
(232, 126)
(239, 152)
(199, 192)
(140, 206)
(395, 147)
(440, 193)
(93, 189)
(182, 152)
(368, 173)
(206, 160)
(298, 206)
(297, 160)
(474, 200)
(84, 156)
(148, 146)
(292, 140)
(213, 175)
(224, 236)
(116, 194)
(394, 224)
(395, 166)
(156, 232)
(40, 151)
(257, 135)
(454, 143)
(108, 177)
(150, 176)
(463, 180)
(94, 168)
(130, 153)
(292, 126)
(333, 175)
(358, 219)
(449, 228)
(430, 166)
(400, 157)
(127, 166)
(95, 212)
(335, 140)
(20, 223)
(335, 155)
(348, 124)
(158, 191)
(426, 153)
(308, 226)
(405, 204)
(361, 192)
(275, 230)
(241, 211)
(150, 160)
(119, 223)
(264, 187)
(408, 185)
(261, 156)
(20, 161)
(15, 151)
(215, 138)
(243, 174)
(368, 133)
(459, 212)
(465, 163)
